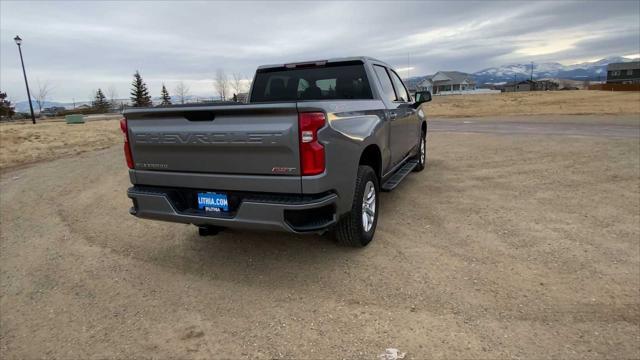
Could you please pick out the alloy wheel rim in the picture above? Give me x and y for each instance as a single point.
(368, 206)
(422, 151)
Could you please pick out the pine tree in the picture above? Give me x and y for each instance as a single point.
(6, 109)
(164, 94)
(139, 93)
(100, 102)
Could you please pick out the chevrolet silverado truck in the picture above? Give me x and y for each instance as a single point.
(308, 153)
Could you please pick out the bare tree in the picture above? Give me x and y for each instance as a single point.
(181, 91)
(221, 83)
(112, 94)
(41, 96)
(236, 83)
(248, 85)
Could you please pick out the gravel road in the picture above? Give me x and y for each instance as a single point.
(509, 245)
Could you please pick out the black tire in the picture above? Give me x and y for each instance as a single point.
(350, 230)
(422, 160)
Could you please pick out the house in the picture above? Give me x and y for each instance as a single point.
(524, 85)
(623, 73)
(53, 111)
(412, 83)
(242, 97)
(448, 81)
(531, 85)
(546, 85)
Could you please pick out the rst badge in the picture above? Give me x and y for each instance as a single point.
(282, 170)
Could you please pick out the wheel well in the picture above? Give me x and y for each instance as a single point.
(371, 156)
(424, 127)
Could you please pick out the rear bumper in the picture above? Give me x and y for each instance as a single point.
(290, 213)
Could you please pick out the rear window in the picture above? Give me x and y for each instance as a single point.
(331, 82)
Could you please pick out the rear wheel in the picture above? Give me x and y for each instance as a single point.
(358, 227)
(421, 156)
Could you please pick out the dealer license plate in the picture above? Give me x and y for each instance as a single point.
(213, 202)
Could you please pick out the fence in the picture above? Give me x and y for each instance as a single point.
(615, 87)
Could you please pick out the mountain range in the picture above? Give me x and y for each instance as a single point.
(23, 106)
(593, 71)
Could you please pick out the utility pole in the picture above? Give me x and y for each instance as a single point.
(18, 41)
(531, 71)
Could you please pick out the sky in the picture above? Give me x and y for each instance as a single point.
(78, 47)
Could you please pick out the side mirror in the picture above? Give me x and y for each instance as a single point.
(422, 97)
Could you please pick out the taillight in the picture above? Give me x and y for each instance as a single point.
(311, 151)
(127, 148)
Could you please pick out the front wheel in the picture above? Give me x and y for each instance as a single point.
(356, 229)
(421, 156)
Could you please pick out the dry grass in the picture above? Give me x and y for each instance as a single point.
(536, 103)
(26, 143)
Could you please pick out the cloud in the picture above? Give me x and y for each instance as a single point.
(80, 46)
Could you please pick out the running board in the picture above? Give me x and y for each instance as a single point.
(399, 175)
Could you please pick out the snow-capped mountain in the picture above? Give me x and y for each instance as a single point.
(596, 70)
(23, 106)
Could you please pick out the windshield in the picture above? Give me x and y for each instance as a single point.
(331, 82)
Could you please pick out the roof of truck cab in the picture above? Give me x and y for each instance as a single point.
(332, 60)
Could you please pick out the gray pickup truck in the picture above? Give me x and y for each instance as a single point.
(308, 153)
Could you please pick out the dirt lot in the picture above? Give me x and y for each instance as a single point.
(506, 246)
(537, 103)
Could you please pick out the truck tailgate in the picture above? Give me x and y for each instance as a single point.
(259, 139)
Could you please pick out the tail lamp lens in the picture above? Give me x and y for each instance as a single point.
(311, 150)
(127, 147)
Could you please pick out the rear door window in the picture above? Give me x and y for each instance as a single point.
(385, 82)
(333, 81)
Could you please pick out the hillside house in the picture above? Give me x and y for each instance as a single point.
(448, 81)
(623, 73)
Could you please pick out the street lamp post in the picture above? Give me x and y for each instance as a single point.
(18, 41)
